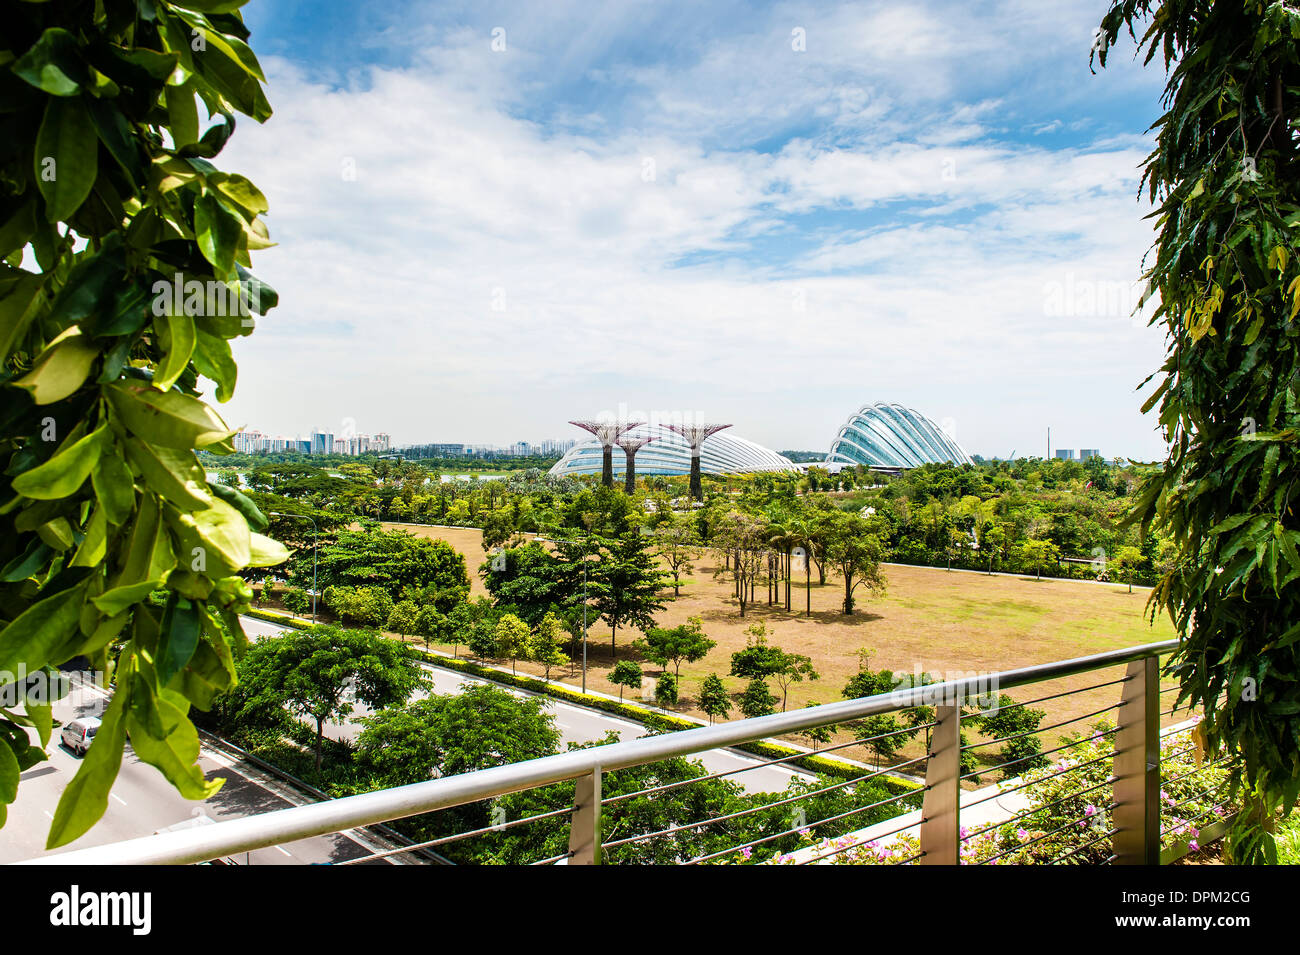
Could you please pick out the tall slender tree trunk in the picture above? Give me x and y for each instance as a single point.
(789, 557)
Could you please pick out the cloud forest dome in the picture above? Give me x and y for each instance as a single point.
(891, 436)
(668, 453)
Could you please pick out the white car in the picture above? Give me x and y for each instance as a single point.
(78, 734)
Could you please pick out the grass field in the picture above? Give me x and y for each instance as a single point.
(952, 623)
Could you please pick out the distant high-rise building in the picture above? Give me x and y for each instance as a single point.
(322, 442)
(1086, 453)
(246, 442)
(1065, 454)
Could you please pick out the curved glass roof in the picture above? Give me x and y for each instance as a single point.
(668, 453)
(891, 436)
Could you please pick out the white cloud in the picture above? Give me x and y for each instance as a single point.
(684, 292)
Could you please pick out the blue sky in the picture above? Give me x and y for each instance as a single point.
(494, 217)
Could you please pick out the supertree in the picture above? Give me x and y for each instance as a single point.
(630, 447)
(695, 435)
(606, 432)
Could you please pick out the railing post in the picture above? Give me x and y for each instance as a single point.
(941, 807)
(584, 831)
(1137, 767)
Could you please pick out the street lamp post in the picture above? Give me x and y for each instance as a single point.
(314, 536)
(557, 540)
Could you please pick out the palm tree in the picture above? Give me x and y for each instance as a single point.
(784, 540)
(804, 532)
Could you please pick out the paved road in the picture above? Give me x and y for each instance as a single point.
(576, 724)
(142, 802)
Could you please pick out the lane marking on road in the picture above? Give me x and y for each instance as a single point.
(285, 851)
(118, 798)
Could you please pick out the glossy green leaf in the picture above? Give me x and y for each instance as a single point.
(184, 114)
(28, 640)
(42, 717)
(114, 486)
(174, 754)
(266, 552)
(63, 473)
(18, 229)
(243, 504)
(94, 543)
(84, 800)
(53, 64)
(60, 370)
(9, 773)
(218, 231)
(213, 359)
(18, 305)
(219, 532)
(176, 335)
(170, 419)
(66, 156)
(175, 475)
(180, 637)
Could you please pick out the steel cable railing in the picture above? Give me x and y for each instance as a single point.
(940, 839)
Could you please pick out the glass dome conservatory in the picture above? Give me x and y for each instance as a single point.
(891, 436)
(668, 453)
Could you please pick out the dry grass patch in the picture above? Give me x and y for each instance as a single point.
(930, 620)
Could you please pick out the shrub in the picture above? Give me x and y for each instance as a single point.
(296, 600)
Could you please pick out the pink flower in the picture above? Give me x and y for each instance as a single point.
(1022, 834)
(1193, 845)
(746, 852)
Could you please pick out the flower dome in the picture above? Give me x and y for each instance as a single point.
(891, 436)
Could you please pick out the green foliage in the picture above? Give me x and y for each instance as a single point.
(1010, 719)
(511, 637)
(758, 660)
(666, 690)
(1069, 816)
(686, 642)
(856, 550)
(397, 562)
(473, 623)
(757, 699)
(367, 606)
(403, 619)
(1223, 177)
(531, 580)
(432, 625)
(296, 600)
(477, 728)
(545, 641)
(312, 673)
(631, 582)
(714, 700)
(626, 674)
(108, 199)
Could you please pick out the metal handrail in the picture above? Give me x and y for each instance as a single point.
(302, 822)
